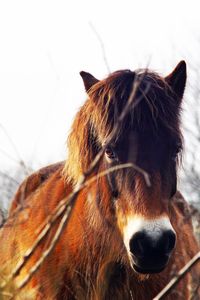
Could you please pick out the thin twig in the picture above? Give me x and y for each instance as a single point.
(102, 46)
(45, 253)
(118, 167)
(9, 177)
(175, 280)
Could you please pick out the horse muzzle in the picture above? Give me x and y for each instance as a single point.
(149, 242)
(151, 252)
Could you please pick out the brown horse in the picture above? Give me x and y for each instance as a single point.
(125, 237)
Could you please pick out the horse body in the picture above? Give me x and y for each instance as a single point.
(124, 239)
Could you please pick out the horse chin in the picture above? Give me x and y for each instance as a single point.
(147, 271)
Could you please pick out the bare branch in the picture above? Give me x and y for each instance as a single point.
(175, 280)
(102, 46)
(45, 253)
(10, 178)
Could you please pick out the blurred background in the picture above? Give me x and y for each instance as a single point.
(45, 44)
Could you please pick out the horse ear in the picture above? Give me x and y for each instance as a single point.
(88, 79)
(177, 79)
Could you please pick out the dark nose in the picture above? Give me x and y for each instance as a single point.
(151, 251)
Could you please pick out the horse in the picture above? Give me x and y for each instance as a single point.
(129, 230)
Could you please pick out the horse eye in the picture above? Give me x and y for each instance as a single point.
(176, 151)
(110, 153)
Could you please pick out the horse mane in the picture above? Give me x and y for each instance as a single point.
(157, 112)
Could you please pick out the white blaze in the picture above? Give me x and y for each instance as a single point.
(152, 227)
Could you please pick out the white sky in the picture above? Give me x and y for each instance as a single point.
(44, 45)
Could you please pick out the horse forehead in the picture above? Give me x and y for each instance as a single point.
(147, 151)
(134, 143)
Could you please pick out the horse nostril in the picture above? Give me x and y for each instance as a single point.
(169, 240)
(137, 244)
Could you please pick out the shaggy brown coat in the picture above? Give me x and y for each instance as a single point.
(90, 260)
